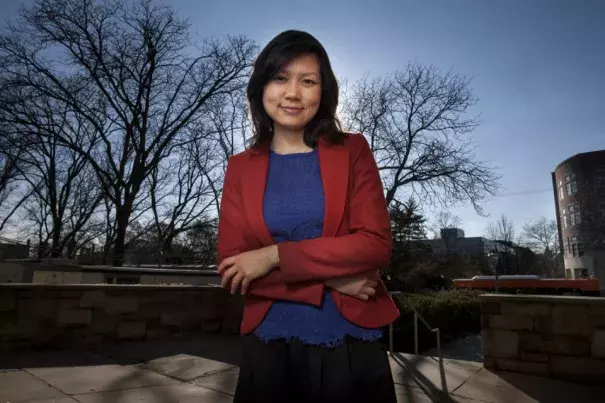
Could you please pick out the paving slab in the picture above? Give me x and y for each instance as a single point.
(412, 394)
(61, 399)
(426, 372)
(186, 367)
(505, 387)
(20, 386)
(175, 393)
(225, 349)
(225, 381)
(76, 380)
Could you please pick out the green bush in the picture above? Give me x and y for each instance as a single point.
(455, 313)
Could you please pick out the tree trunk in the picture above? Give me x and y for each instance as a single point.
(119, 245)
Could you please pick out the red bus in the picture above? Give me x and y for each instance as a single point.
(530, 284)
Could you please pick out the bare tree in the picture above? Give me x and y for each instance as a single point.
(133, 63)
(180, 193)
(444, 219)
(502, 230)
(418, 127)
(59, 176)
(13, 193)
(542, 235)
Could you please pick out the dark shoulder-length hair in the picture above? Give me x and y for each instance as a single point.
(281, 50)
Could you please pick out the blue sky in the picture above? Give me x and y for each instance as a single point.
(538, 68)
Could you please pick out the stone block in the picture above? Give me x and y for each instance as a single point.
(517, 322)
(543, 324)
(532, 342)
(597, 349)
(210, 311)
(172, 319)
(536, 357)
(131, 330)
(92, 299)
(493, 308)
(489, 362)
(67, 303)
(525, 308)
(71, 317)
(7, 303)
(37, 308)
(231, 326)
(210, 326)
(89, 342)
(117, 305)
(156, 333)
(485, 321)
(570, 320)
(68, 294)
(103, 323)
(578, 368)
(501, 343)
(597, 321)
(524, 367)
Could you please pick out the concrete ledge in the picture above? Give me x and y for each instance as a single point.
(56, 316)
(40, 286)
(554, 299)
(556, 336)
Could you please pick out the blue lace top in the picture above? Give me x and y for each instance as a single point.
(293, 210)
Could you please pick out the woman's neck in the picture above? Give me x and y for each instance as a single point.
(289, 142)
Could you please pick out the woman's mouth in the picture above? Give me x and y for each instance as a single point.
(292, 110)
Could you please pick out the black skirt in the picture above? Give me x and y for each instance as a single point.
(292, 372)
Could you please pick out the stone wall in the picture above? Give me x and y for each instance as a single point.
(39, 316)
(553, 336)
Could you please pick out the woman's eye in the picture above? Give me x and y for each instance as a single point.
(279, 79)
(308, 82)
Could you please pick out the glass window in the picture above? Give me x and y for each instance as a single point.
(577, 248)
(570, 184)
(566, 246)
(574, 214)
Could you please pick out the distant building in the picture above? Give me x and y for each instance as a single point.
(579, 191)
(454, 241)
(10, 249)
(497, 257)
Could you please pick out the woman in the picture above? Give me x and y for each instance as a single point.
(303, 229)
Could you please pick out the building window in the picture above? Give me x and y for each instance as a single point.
(566, 250)
(577, 248)
(571, 184)
(599, 178)
(564, 218)
(574, 214)
(568, 273)
(560, 187)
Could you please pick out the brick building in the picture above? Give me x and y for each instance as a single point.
(579, 190)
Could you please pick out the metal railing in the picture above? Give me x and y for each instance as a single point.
(417, 317)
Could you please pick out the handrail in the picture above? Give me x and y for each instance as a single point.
(416, 317)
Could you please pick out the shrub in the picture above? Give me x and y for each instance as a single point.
(455, 313)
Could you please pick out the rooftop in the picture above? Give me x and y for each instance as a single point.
(205, 369)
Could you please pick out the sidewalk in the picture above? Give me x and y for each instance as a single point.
(188, 370)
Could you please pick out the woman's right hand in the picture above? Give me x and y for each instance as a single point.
(360, 286)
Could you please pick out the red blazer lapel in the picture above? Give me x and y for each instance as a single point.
(334, 167)
(254, 181)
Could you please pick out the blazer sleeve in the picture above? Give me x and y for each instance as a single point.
(231, 242)
(368, 245)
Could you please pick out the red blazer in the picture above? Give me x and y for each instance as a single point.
(356, 234)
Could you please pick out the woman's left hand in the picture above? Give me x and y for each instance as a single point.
(243, 268)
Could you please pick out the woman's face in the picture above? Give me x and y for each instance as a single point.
(292, 97)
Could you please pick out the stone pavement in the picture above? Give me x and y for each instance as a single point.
(188, 370)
